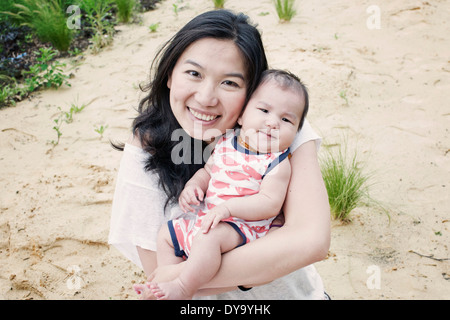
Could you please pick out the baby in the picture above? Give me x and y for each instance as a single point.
(245, 180)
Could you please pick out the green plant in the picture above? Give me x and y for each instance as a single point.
(343, 95)
(100, 130)
(153, 27)
(346, 183)
(219, 4)
(175, 9)
(46, 18)
(285, 9)
(125, 9)
(97, 16)
(64, 117)
(46, 73)
(8, 94)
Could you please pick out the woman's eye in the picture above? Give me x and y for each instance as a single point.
(231, 83)
(193, 73)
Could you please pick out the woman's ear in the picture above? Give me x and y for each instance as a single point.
(169, 82)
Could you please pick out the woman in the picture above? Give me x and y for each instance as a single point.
(204, 76)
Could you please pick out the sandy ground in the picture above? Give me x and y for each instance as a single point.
(55, 202)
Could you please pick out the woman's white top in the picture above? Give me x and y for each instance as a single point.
(138, 213)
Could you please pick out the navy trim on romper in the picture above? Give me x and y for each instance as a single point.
(176, 245)
(272, 165)
(239, 231)
(280, 158)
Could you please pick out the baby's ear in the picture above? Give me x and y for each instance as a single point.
(239, 121)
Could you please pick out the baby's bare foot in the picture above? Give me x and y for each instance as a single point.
(143, 290)
(172, 290)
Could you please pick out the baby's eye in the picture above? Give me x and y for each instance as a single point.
(263, 110)
(286, 120)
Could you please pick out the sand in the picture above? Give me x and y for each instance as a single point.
(55, 201)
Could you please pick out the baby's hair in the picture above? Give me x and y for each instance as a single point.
(288, 80)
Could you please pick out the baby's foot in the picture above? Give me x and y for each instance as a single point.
(144, 291)
(172, 290)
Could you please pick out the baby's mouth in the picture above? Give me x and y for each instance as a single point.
(271, 134)
(203, 116)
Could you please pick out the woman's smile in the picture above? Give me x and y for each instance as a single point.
(205, 117)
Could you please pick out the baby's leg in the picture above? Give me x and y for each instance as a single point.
(202, 264)
(164, 254)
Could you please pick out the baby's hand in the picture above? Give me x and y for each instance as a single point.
(213, 217)
(191, 194)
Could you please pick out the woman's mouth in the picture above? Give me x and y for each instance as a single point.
(203, 116)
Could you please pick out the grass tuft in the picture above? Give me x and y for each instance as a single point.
(125, 9)
(285, 9)
(346, 183)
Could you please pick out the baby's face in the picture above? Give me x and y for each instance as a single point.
(271, 118)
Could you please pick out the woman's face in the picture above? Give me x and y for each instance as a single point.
(208, 88)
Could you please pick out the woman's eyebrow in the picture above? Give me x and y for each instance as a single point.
(195, 64)
(231, 74)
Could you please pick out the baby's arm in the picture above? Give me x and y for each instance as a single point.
(195, 188)
(265, 204)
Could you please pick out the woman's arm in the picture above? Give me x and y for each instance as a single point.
(303, 240)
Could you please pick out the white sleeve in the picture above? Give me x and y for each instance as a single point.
(306, 134)
(138, 206)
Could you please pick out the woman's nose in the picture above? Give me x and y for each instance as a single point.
(206, 95)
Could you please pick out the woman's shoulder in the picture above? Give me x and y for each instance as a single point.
(306, 134)
(134, 140)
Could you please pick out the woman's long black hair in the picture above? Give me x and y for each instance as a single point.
(156, 122)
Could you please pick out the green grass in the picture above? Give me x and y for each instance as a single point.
(346, 183)
(219, 4)
(285, 9)
(125, 9)
(46, 18)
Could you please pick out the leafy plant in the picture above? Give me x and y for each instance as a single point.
(100, 130)
(175, 9)
(64, 117)
(219, 4)
(98, 20)
(343, 95)
(153, 27)
(46, 73)
(346, 184)
(285, 9)
(8, 93)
